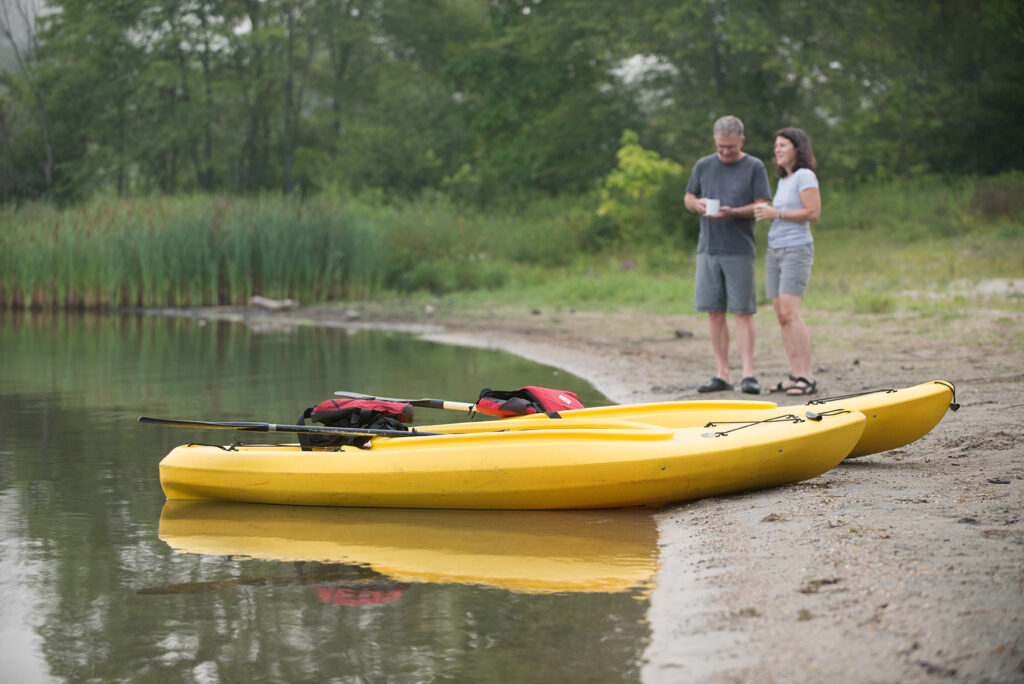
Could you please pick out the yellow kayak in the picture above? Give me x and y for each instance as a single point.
(895, 417)
(522, 464)
(521, 551)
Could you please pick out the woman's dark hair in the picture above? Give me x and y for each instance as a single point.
(804, 153)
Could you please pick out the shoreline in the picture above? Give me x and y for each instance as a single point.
(901, 566)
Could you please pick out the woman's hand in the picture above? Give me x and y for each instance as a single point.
(764, 211)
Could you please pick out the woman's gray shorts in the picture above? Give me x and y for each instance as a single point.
(725, 282)
(787, 270)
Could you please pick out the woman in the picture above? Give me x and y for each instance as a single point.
(790, 253)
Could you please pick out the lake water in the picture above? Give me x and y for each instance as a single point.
(102, 580)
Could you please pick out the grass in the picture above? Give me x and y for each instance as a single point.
(906, 245)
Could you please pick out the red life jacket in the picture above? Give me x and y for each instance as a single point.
(354, 413)
(526, 400)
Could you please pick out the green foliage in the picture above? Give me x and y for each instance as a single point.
(880, 248)
(906, 209)
(873, 303)
(538, 99)
(999, 198)
(605, 282)
(670, 207)
(440, 276)
(906, 244)
(493, 101)
(637, 195)
(1009, 231)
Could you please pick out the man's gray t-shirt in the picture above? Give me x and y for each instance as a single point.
(736, 185)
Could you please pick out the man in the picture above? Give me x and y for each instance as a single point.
(725, 248)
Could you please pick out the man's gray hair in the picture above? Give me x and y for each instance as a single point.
(729, 125)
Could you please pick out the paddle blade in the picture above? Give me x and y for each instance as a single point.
(245, 426)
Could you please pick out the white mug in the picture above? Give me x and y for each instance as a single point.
(712, 207)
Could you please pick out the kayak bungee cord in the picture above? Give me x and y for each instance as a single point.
(953, 405)
(238, 444)
(788, 418)
(825, 400)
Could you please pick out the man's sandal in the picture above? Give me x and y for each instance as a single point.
(716, 384)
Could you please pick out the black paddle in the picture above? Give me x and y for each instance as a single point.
(273, 427)
(426, 403)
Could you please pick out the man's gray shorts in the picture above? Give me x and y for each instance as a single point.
(787, 270)
(725, 282)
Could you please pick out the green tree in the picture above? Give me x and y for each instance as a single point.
(21, 83)
(489, 100)
(882, 87)
(391, 122)
(543, 107)
(630, 194)
(938, 93)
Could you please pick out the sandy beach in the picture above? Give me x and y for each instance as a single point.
(904, 566)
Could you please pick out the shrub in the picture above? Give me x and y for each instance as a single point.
(631, 195)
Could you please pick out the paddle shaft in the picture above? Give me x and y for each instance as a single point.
(425, 403)
(273, 427)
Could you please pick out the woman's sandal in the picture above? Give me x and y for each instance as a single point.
(801, 387)
(782, 388)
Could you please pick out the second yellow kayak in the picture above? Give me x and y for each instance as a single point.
(895, 417)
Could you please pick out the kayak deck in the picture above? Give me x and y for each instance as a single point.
(895, 417)
(532, 466)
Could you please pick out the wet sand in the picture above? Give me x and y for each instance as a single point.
(904, 566)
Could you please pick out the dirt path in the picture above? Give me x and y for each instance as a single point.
(903, 566)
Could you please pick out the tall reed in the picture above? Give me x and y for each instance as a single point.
(185, 251)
